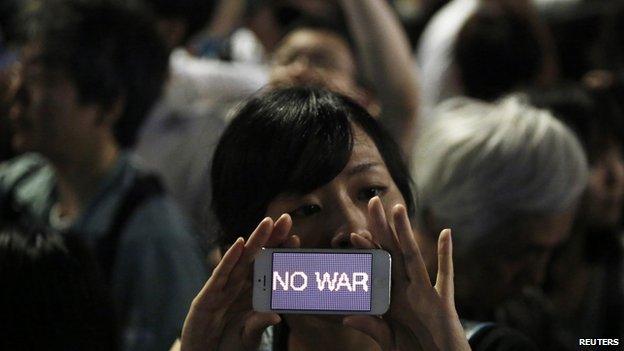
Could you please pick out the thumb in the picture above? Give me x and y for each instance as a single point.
(374, 327)
(254, 327)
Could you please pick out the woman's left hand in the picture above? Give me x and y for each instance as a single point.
(421, 315)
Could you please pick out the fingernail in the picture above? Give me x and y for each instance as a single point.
(398, 210)
(267, 221)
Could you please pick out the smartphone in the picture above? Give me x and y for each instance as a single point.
(322, 281)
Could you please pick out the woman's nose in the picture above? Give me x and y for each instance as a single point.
(349, 218)
(341, 241)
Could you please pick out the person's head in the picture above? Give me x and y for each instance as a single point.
(595, 117)
(497, 50)
(506, 177)
(315, 155)
(91, 71)
(319, 57)
(308, 152)
(51, 298)
(271, 20)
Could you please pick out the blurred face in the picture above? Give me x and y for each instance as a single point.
(606, 188)
(46, 114)
(315, 57)
(517, 259)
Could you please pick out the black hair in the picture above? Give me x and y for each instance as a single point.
(109, 51)
(593, 114)
(496, 51)
(9, 10)
(194, 13)
(290, 140)
(609, 48)
(51, 296)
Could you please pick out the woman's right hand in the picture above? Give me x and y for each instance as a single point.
(422, 316)
(221, 315)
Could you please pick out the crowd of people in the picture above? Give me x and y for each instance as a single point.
(150, 148)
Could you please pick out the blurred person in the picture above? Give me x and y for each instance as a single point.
(90, 72)
(576, 27)
(337, 180)
(507, 177)
(483, 49)
(52, 295)
(181, 131)
(381, 57)
(251, 30)
(586, 275)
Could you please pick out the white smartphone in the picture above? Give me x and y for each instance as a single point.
(322, 281)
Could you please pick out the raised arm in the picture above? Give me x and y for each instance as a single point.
(387, 62)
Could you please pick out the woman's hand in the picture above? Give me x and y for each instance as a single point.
(421, 316)
(221, 317)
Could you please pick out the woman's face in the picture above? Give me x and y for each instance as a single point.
(605, 191)
(325, 217)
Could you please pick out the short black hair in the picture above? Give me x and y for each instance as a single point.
(497, 50)
(108, 50)
(290, 140)
(51, 296)
(593, 114)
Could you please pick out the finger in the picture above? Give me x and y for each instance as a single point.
(293, 242)
(258, 239)
(254, 244)
(221, 273)
(382, 233)
(255, 325)
(280, 231)
(444, 280)
(374, 327)
(414, 263)
(359, 241)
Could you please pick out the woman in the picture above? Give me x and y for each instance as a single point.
(507, 177)
(582, 279)
(316, 164)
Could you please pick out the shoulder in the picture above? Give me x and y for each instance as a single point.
(493, 337)
(13, 170)
(156, 221)
(157, 234)
(27, 181)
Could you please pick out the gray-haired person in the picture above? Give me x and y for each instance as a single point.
(506, 177)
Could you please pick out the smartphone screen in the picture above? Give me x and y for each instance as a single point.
(321, 281)
(324, 281)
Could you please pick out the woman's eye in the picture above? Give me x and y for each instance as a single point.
(370, 192)
(305, 211)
